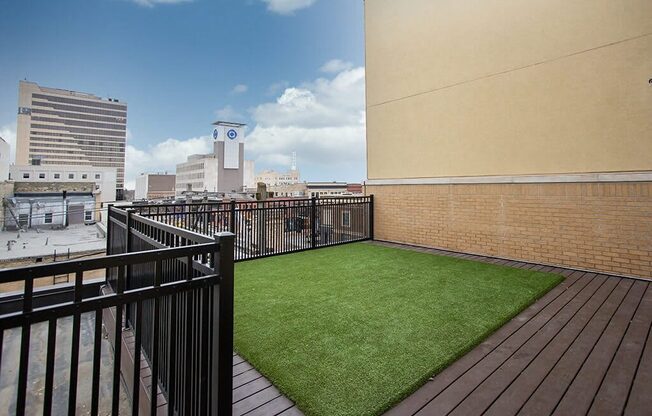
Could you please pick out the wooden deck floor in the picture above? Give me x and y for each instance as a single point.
(584, 348)
(254, 395)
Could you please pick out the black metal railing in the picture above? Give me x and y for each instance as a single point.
(180, 323)
(267, 228)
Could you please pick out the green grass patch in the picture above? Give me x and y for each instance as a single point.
(353, 329)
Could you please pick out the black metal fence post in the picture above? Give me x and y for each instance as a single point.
(128, 223)
(222, 393)
(232, 222)
(313, 222)
(371, 216)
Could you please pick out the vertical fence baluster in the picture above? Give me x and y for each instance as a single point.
(97, 356)
(49, 367)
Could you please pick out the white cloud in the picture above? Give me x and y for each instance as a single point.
(323, 121)
(152, 3)
(287, 7)
(336, 65)
(8, 133)
(240, 89)
(163, 156)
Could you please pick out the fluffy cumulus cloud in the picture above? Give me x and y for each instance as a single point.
(335, 66)
(287, 7)
(323, 121)
(163, 156)
(152, 3)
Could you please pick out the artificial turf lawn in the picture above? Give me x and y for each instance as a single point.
(353, 329)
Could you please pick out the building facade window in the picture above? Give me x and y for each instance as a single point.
(48, 218)
(57, 176)
(84, 176)
(25, 175)
(88, 215)
(97, 176)
(41, 175)
(22, 219)
(71, 176)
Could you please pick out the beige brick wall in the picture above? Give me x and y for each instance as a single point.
(596, 226)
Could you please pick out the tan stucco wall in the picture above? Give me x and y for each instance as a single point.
(508, 87)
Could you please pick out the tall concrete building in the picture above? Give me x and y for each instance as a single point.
(61, 127)
(515, 129)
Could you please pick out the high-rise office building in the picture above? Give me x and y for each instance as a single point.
(61, 127)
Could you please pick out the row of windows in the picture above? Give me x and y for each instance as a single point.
(37, 150)
(89, 159)
(41, 175)
(76, 101)
(79, 144)
(99, 139)
(121, 120)
(195, 185)
(77, 130)
(119, 166)
(189, 168)
(188, 176)
(80, 123)
(78, 109)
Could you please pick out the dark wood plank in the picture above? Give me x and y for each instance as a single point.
(566, 324)
(604, 302)
(640, 399)
(292, 411)
(455, 393)
(272, 408)
(241, 368)
(612, 395)
(580, 394)
(513, 334)
(431, 389)
(434, 387)
(245, 377)
(250, 388)
(252, 402)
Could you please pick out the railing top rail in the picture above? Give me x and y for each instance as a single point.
(139, 257)
(199, 204)
(183, 233)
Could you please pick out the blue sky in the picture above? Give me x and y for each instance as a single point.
(291, 69)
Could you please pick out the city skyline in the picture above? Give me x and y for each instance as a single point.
(259, 66)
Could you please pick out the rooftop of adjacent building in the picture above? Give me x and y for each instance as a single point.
(69, 93)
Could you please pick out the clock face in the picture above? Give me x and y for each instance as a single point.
(215, 134)
(232, 134)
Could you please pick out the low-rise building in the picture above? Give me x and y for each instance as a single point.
(102, 180)
(197, 174)
(155, 186)
(272, 178)
(50, 204)
(322, 189)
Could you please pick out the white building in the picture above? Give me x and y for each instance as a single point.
(273, 178)
(250, 174)
(198, 174)
(4, 160)
(104, 179)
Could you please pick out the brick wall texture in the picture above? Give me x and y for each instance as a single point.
(605, 227)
